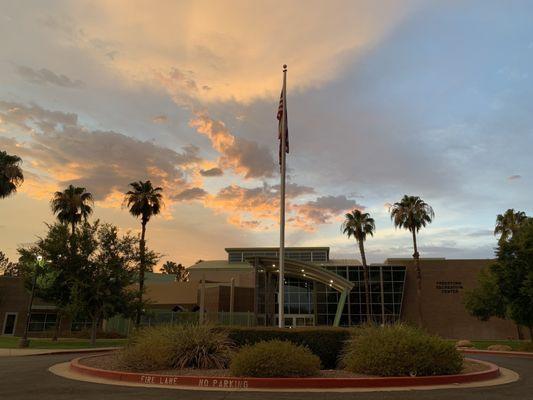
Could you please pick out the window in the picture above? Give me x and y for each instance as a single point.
(81, 324)
(40, 322)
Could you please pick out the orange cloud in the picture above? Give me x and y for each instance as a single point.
(231, 50)
(243, 156)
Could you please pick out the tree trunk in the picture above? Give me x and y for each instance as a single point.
(530, 333)
(416, 257)
(365, 278)
(519, 332)
(94, 329)
(57, 327)
(142, 250)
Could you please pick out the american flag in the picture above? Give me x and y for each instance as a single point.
(282, 118)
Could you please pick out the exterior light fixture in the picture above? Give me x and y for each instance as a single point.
(273, 265)
(303, 270)
(331, 281)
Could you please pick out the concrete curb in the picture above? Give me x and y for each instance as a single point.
(47, 352)
(231, 383)
(524, 354)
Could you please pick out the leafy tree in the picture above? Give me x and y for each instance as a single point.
(508, 223)
(506, 288)
(55, 278)
(486, 300)
(143, 201)
(514, 274)
(100, 289)
(359, 225)
(11, 175)
(413, 213)
(72, 206)
(171, 268)
(8, 268)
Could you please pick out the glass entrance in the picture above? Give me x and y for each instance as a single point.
(9, 324)
(298, 320)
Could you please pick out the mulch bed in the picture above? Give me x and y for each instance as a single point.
(108, 362)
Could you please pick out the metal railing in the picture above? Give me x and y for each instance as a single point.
(124, 326)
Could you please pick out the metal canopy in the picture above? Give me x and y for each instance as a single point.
(313, 272)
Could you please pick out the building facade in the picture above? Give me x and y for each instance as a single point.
(319, 291)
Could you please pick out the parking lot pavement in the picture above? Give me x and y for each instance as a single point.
(23, 378)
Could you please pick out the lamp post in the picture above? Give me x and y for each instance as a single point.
(24, 342)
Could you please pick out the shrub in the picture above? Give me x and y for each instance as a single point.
(178, 346)
(526, 346)
(326, 343)
(464, 343)
(275, 358)
(499, 347)
(148, 349)
(400, 350)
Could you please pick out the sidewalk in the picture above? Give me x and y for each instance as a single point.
(42, 352)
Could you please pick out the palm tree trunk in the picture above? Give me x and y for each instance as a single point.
(142, 250)
(416, 257)
(365, 278)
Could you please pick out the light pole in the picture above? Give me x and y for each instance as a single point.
(24, 342)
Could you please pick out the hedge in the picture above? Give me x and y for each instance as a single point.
(327, 343)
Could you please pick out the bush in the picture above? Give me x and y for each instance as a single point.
(326, 343)
(526, 346)
(275, 358)
(464, 343)
(499, 347)
(400, 350)
(175, 347)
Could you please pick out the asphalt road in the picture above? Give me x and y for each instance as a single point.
(23, 378)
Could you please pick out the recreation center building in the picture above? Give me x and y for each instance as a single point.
(319, 291)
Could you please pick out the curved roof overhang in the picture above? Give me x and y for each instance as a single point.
(305, 270)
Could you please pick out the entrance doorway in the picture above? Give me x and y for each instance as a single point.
(297, 320)
(10, 321)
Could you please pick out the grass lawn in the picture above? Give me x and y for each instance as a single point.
(10, 342)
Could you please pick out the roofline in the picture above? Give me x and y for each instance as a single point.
(228, 249)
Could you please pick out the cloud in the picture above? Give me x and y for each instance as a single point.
(258, 207)
(322, 211)
(212, 172)
(62, 151)
(159, 119)
(190, 194)
(44, 76)
(237, 54)
(514, 177)
(243, 156)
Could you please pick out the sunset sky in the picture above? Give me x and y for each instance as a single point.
(385, 98)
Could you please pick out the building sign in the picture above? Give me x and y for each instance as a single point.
(448, 287)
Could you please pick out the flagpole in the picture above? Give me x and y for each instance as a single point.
(281, 297)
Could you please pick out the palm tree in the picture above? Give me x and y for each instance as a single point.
(10, 174)
(358, 225)
(508, 223)
(143, 201)
(413, 213)
(72, 205)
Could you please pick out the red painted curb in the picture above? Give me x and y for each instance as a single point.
(284, 383)
(498, 353)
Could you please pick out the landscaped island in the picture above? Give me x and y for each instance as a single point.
(370, 351)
